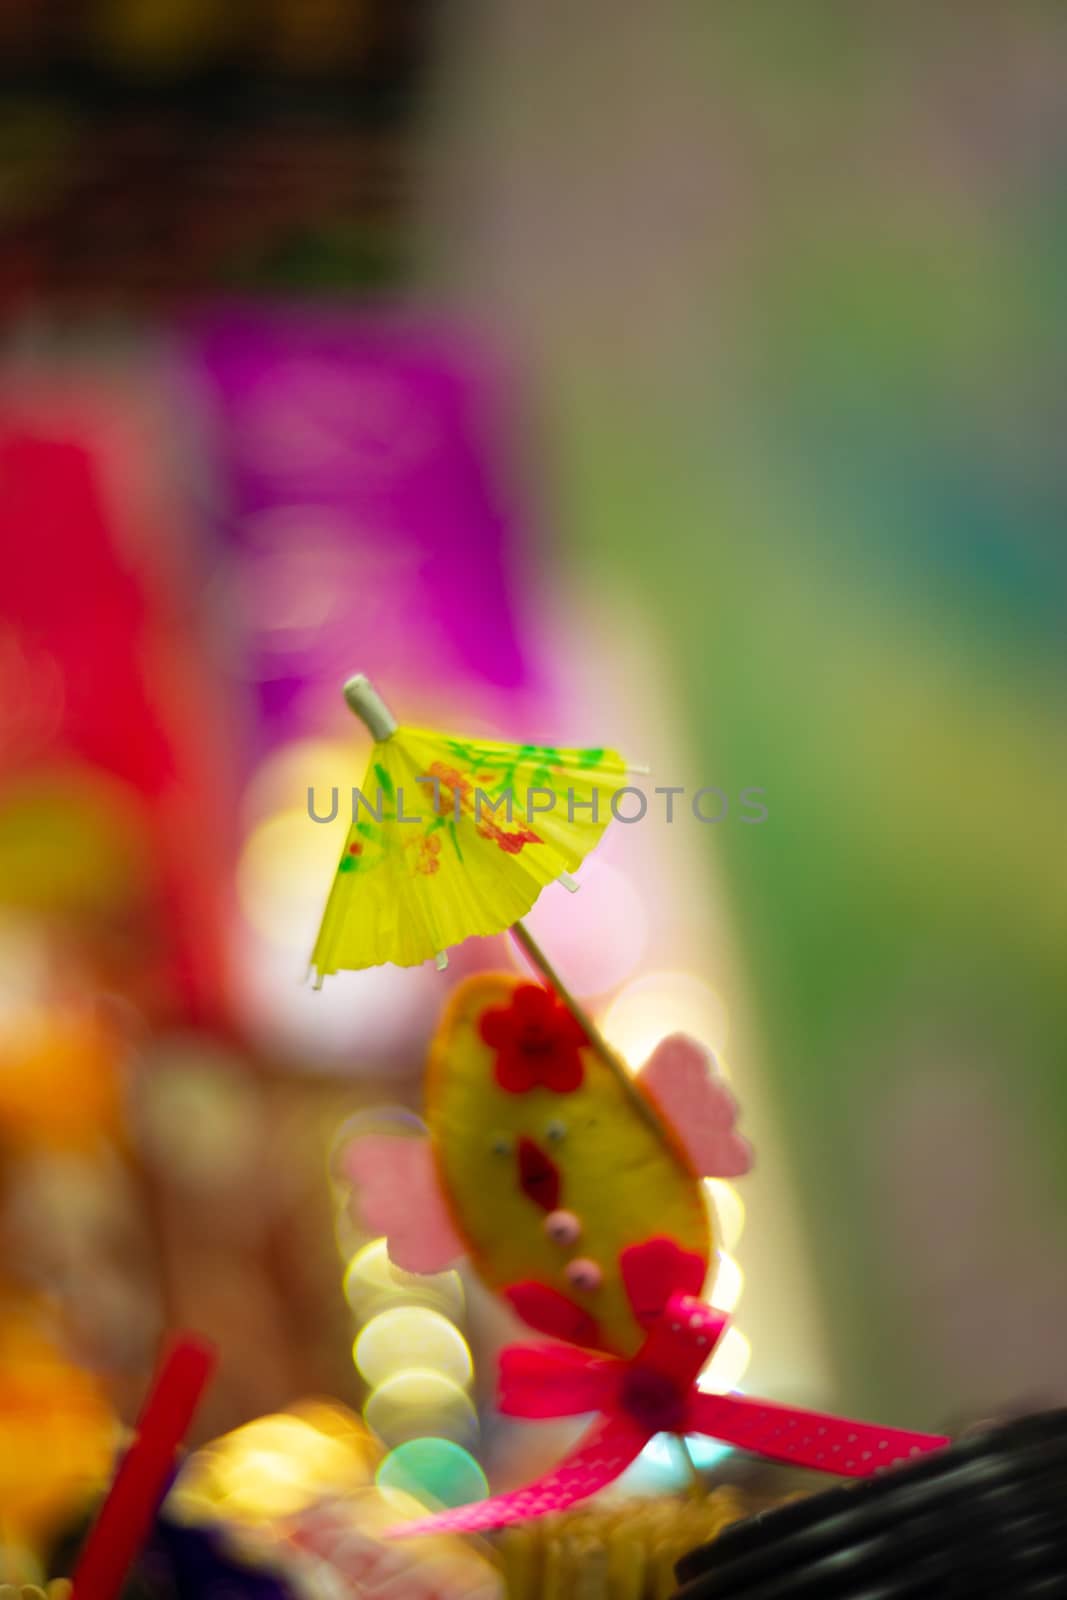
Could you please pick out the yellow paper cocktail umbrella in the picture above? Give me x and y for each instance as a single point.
(456, 837)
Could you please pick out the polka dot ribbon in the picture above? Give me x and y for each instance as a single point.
(656, 1392)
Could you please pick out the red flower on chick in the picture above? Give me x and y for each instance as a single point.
(537, 1042)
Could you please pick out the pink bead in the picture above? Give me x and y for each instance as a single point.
(583, 1274)
(562, 1227)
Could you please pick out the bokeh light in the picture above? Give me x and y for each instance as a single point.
(662, 1469)
(285, 862)
(728, 1364)
(372, 1284)
(729, 1211)
(661, 1003)
(193, 1081)
(417, 1402)
(277, 1464)
(412, 1336)
(437, 1472)
(356, 1023)
(728, 1283)
(286, 865)
(281, 781)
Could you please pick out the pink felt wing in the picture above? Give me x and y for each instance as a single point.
(398, 1194)
(601, 1455)
(682, 1079)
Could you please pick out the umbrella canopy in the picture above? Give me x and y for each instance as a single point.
(454, 837)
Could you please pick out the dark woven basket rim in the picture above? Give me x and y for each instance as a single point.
(972, 1492)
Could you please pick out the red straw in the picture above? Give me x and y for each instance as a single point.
(143, 1476)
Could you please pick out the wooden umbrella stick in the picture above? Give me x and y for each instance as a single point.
(695, 1483)
(640, 1102)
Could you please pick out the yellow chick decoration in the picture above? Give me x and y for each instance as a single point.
(578, 1198)
(584, 1215)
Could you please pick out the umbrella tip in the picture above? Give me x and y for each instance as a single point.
(363, 698)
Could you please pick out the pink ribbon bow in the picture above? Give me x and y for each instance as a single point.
(656, 1392)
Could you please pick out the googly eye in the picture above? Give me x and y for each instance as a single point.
(501, 1144)
(556, 1130)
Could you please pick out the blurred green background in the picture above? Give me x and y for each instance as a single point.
(791, 279)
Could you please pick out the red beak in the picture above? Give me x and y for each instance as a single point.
(538, 1175)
